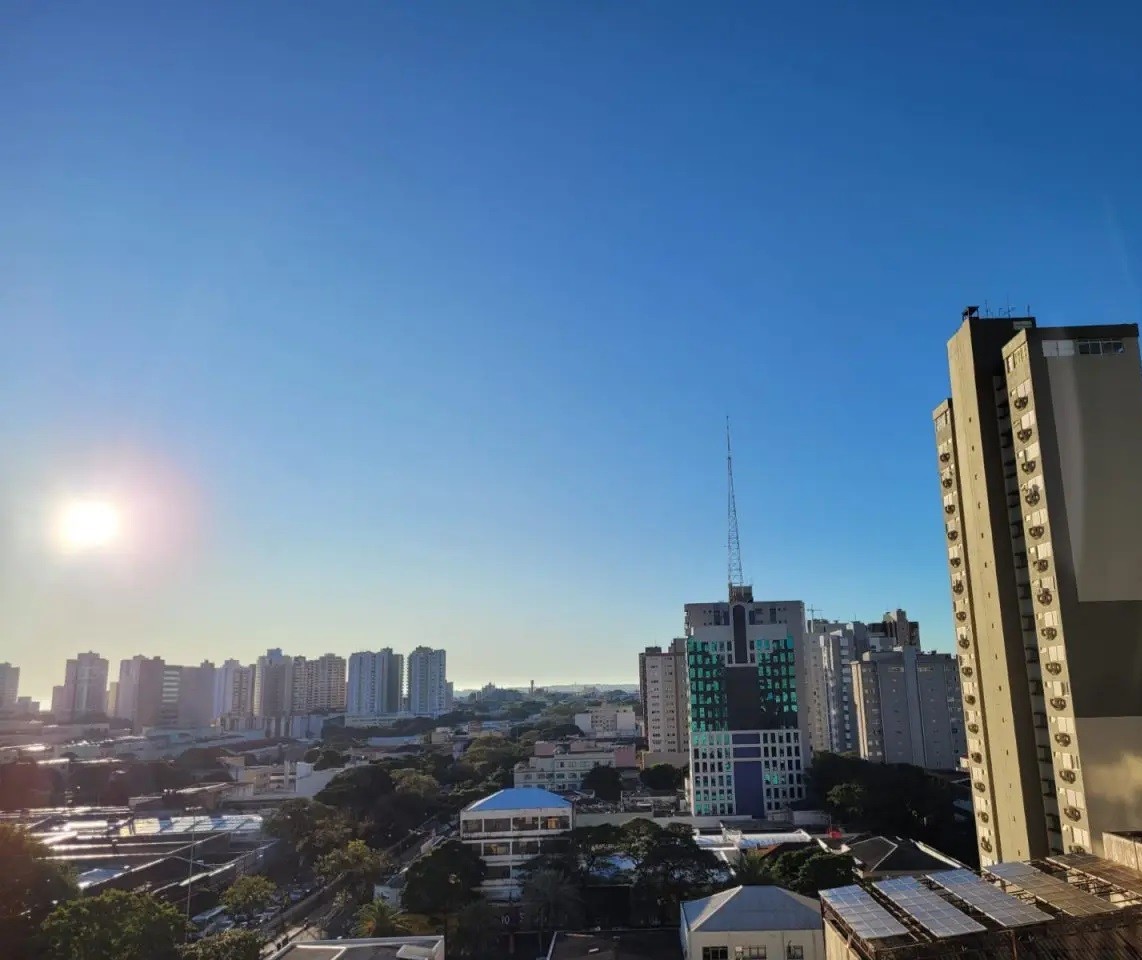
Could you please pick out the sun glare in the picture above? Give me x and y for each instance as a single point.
(88, 525)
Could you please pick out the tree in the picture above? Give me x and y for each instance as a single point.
(753, 870)
(115, 926)
(379, 919)
(551, 901)
(443, 880)
(662, 776)
(361, 866)
(30, 886)
(822, 871)
(675, 868)
(419, 785)
(606, 782)
(311, 828)
(231, 945)
(475, 931)
(358, 789)
(249, 894)
(330, 759)
(847, 801)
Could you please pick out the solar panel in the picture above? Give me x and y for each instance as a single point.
(867, 918)
(1101, 869)
(928, 908)
(988, 899)
(1058, 893)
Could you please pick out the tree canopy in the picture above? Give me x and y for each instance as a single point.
(361, 866)
(30, 887)
(444, 880)
(662, 776)
(606, 782)
(249, 894)
(806, 871)
(115, 926)
(231, 945)
(312, 828)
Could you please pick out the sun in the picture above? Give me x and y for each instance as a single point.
(85, 525)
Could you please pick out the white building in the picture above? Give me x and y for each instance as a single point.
(608, 720)
(662, 687)
(84, 689)
(748, 717)
(318, 685)
(9, 686)
(507, 830)
(273, 684)
(427, 682)
(565, 767)
(753, 923)
(233, 690)
(909, 708)
(376, 683)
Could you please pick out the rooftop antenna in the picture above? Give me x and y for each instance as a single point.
(737, 587)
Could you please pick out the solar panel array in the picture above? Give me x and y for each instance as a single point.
(928, 908)
(988, 899)
(1101, 869)
(1058, 893)
(867, 918)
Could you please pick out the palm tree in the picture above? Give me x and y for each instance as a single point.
(551, 900)
(379, 919)
(753, 870)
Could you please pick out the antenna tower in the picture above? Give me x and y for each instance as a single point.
(733, 543)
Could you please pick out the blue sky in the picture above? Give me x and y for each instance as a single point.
(417, 322)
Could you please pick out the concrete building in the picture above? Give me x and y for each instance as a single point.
(9, 686)
(1038, 451)
(273, 684)
(749, 738)
(196, 695)
(563, 766)
(908, 708)
(233, 690)
(318, 686)
(139, 693)
(508, 829)
(84, 690)
(662, 688)
(608, 720)
(376, 683)
(753, 923)
(427, 682)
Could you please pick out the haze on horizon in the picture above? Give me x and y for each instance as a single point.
(418, 323)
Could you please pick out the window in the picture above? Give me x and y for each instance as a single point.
(749, 953)
(794, 952)
(715, 953)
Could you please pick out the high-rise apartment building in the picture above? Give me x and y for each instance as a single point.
(273, 684)
(318, 685)
(376, 683)
(233, 690)
(139, 695)
(907, 708)
(427, 682)
(662, 686)
(196, 696)
(749, 736)
(84, 690)
(9, 686)
(1039, 449)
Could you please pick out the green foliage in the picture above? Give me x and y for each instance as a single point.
(29, 888)
(361, 866)
(330, 759)
(114, 926)
(606, 782)
(551, 901)
(475, 931)
(420, 785)
(804, 871)
(231, 945)
(357, 789)
(493, 756)
(312, 828)
(662, 776)
(379, 919)
(312, 755)
(249, 894)
(673, 868)
(753, 870)
(444, 880)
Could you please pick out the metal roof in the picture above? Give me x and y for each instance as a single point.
(988, 899)
(519, 798)
(752, 908)
(1051, 890)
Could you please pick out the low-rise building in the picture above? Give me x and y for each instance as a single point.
(508, 828)
(563, 766)
(753, 923)
(608, 720)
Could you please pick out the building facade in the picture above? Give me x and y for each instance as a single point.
(508, 829)
(9, 686)
(273, 684)
(564, 767)
(318, 685)
(908, 708)
(376, 683)
(140, 692)
(1038, 452)
(749, 740)
(662, 688)
(427, 682)
(84, 690)
(233, 690)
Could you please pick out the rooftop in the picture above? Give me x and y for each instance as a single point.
(896, 854)
(518, 798)
(752, 908)
(372, 948)
(661, 944)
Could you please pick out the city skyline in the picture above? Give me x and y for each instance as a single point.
(434, 345)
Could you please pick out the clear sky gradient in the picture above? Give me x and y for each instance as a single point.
(416, 322)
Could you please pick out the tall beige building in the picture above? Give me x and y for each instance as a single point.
(662, 683)
(1039, 453)
(319, 685)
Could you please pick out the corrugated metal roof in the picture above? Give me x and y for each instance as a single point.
(752, 908)
(519, 798)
